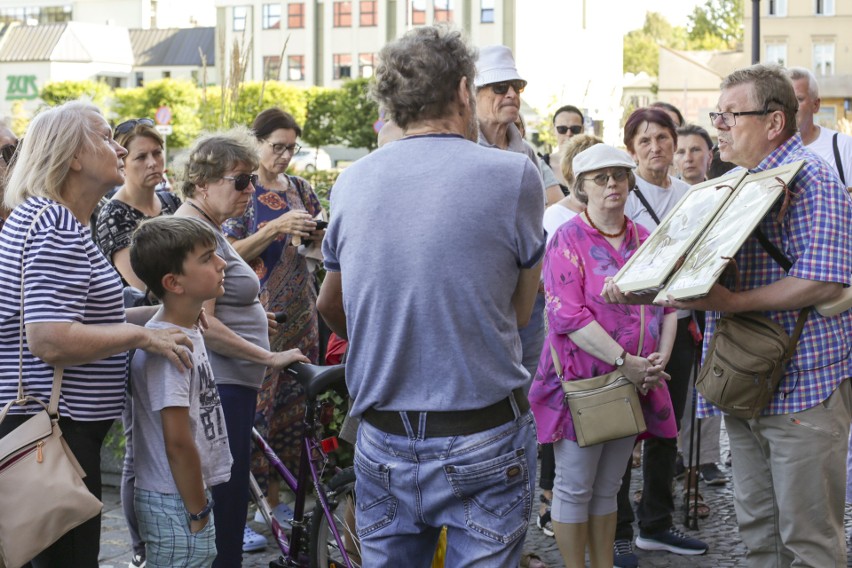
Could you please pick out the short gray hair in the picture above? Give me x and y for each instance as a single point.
(796, 73)
(418, 74)
(53, 139)
(771, 86)
(213, 154)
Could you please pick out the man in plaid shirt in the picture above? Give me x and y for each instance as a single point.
(789, 464)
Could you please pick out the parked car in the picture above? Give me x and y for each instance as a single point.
(309, 159)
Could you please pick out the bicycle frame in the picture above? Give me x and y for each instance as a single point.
(293, 549)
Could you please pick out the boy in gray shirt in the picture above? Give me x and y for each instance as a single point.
(180, 440)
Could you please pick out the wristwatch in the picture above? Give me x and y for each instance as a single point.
(619, 361)
(204, 513)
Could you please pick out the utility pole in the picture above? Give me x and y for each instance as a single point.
(755, 31)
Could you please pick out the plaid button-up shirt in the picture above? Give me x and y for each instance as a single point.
(816, 235)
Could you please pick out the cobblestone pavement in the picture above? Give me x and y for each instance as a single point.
(718, 530)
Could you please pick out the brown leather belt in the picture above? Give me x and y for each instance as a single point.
(450, 423)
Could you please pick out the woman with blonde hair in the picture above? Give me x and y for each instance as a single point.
(73, 311)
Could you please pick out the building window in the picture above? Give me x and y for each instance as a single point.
(140, 79)
(776, 53)
(295, 67)
(486, 12)
(239, 18)
(34, 15)
(271, 16)
(271, 67)
(295, 15)
(824, 58)
(443, 10)
(824, 7)
(418, 12)
(368, 13)
(366, 64)
(167, 74)
(777, 7)
(342, 14)
(342, 65)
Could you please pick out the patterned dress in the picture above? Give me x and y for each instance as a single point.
(286, 285)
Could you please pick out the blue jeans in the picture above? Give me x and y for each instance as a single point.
(479, 486)
(164, 524)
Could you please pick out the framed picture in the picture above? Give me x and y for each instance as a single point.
(649, 268)
(706, 261)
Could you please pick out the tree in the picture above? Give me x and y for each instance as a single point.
(54, 94)
(182, 97)
(355, 114)
(641, 47)
(320, 114)
(717, 25)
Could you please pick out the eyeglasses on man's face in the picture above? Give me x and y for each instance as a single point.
(601, 179)
(730, 118)
(242, 181)
(279, 149)
(574, 128)
(502, 87)
(129, 125)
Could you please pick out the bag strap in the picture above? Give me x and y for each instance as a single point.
(837, 161)
(53, 405)
(646, 204)
(557, 364)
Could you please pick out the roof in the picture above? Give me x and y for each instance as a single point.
(74, 42)
(173, 46)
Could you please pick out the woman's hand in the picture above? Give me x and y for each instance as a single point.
(196, 526)
(170, 343)
(612, 294)
(644, 372)
(282, 359)
(295, 223)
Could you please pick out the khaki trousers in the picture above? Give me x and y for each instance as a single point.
(789, 475)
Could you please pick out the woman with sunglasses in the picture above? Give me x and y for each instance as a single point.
(218, 184)
(280, 211)
(592, 338)
(137, 199)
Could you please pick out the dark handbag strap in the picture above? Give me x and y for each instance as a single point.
(837, 161)
(53, 406)
(646, 204)
(557, 364)
(784, 263)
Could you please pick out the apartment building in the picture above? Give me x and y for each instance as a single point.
(813, 34)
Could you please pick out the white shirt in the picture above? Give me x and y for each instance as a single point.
(823, 147)
(554, 217)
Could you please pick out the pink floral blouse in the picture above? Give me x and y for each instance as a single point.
(576, 262)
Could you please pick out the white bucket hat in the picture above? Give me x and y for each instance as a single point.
(495, 64)
(601, 156)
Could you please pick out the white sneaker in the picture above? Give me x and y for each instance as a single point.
(138, 561)
(252, 542)
(282, 512)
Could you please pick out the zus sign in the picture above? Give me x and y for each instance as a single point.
(21, 87)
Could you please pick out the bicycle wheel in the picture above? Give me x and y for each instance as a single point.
(325, 550)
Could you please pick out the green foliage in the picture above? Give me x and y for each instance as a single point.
(182, 97)
(641, 51)
(321, 181)
(320, 115)
(356, 113)
(254, 97)
(717, 25)
(54, 94)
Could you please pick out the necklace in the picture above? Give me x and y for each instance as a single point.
(205, 215)
(607, 235)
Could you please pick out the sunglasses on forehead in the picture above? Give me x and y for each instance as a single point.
(502, 87)
(574, 128)
(7, 152)
(129, 125)
(242, 181)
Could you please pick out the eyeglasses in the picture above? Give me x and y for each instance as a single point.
(242, 181)
(279, 149)
(601, 180)
(730, 118)
(574, 128)
(129, 125)
(7, 152)
(503, 87)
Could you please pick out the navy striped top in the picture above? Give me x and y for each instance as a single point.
(67, 280)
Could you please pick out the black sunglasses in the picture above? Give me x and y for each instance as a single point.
(503, 87)
(574, 128)
(241, 182)
(129, 125)
(7, 152)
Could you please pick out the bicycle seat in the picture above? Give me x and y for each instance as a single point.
(316, 379)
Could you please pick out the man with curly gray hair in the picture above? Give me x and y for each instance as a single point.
(437, 242)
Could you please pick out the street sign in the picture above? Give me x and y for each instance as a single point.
(163, 115)
(164, 129)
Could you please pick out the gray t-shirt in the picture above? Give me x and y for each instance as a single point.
(430, 235)
(241, 311)
(158, 384)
